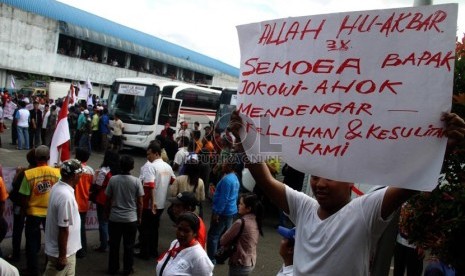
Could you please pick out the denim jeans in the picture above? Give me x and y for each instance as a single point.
(102, 227)
(127, 231)
(214, 233)
(33, 238)
(23, 137)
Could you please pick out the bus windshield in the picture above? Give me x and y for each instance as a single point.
(228, 100)
(134, 104)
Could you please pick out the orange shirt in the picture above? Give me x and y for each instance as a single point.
(3, 192)
(82, 189)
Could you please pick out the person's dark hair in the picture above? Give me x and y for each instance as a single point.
(31, 158)
(53, 107)
(82, 154)
(184, 141)
(196, 134)
(22, 104)
(111, 160)
(252, 201)
(161, 140)
(191, 219)
(170, 132)
(155, 147)
(192, 170)
(126, 164)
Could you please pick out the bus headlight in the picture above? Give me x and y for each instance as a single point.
(144, 133)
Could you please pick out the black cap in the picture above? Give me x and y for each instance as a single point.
(186, 198)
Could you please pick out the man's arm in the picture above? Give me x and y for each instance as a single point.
(272, 188)
(63, 233)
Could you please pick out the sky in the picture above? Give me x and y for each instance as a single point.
(209, 26)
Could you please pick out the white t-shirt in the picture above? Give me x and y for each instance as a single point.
(23, 117)
(189, 261)
(340, 244)
(286, 271)
(62, 212)
(118, 127)
(147, 172)
(180, 156)
(6, 269)
(45, 120)
(163, 175)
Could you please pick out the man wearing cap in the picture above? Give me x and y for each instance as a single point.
(62, 230)
(286, 250)
(184, 131)
(35, 189)
(186, 202)
(35, 125)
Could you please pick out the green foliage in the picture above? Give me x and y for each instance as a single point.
(436, 220)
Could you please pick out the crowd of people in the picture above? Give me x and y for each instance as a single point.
(182, 171)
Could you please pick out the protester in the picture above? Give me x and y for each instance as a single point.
(286, 250)
(224, 205)
(104, 129)
(35, 125)
(164, 176)
(35, 188)
(22, 119)
(181, 154)
(124, 211)
(190, 181)
(244, 259)
(18, 214)
(331, 226)
(51, 125)
(82, 191)
(62, 229)
(117, 138)
(185, 255)
(147, 176)
(43, 130)
(186, 202)
(109, 167)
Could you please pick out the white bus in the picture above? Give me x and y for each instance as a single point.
(145, 105)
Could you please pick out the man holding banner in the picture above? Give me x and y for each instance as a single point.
(359, 97)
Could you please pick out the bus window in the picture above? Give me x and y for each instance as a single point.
(168, 91)
(169, 110)
(198, 99)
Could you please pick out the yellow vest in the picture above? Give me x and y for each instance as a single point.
(40, 180)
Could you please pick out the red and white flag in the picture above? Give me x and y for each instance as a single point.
(59, 148)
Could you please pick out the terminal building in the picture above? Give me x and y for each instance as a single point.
(56, 42)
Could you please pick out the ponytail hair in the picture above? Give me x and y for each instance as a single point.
(252, 201)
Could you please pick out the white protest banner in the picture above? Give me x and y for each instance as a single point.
(9, 109)
(352, 96)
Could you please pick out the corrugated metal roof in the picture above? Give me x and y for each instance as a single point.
(62, 12)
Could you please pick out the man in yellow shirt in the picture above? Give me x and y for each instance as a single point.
(35, 189)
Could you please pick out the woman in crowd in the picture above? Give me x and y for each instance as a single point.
(185, 256)
(109, 167)
(190, 181)
(243, 260)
